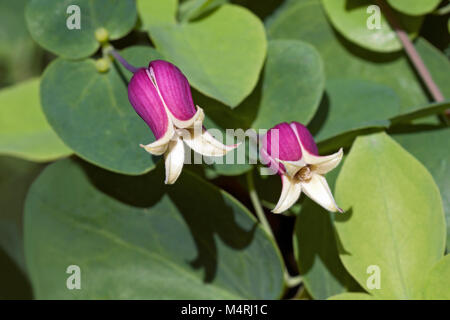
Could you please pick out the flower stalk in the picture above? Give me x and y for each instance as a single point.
(290, 281)
(122, 61)
(257, 204)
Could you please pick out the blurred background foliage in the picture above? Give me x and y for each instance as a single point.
(251, 64)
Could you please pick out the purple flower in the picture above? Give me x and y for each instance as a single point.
(161, 96)
(290, 150)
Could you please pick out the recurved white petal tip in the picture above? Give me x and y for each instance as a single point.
(318, 190)
(202, 142)
(196, 120)
(160, 146)
(324, 164)
(174, 160)
(155, 150)
(290, 193)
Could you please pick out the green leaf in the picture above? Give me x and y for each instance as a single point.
(345, 140)
(292, 86)
(438, 281)
(192, 9)
(431, 148)
(220, 117)
(306, 21)
(47, 19)
(333, 129)
(351, 104)
(437, 63)
(393, 217)
(221, 54)
(414, 7)
(16, 176)
(186, 241)
(91, 113)
(352, 296)
(421, 112)
(157, 12)
(317, 257)
(352, 19)
(235, 165)
(24, 131)
(20, 58)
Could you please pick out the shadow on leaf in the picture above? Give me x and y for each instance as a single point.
(207, 213)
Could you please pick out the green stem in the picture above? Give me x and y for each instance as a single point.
(289, 280)
(257, 204)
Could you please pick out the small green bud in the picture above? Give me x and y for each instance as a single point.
(101, 34)
(102, 64)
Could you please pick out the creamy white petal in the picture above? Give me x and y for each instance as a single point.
(202, 142)
(323, 164)
(290, 193)
(158, 147)
(196, 120)
(317, 189)
(174, 160)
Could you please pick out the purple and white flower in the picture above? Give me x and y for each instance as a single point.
(161, 95)
(290, 150)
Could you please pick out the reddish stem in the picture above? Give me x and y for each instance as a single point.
(412, 53)
(124, 62)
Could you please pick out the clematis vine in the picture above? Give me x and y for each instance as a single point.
(290, 150)
(161, 96)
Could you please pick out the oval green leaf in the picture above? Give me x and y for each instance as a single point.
(157, 12)
(293, 84)
(352, 19)
(351, 104)
(437, 63)
(135, 238)
(20, 57)
(431, 148)
(306, 21)
(16, 176)
(24, 130)
(438, 282)
(192, 9)
(434, 108)
(393, 217)
(222, 54)
(414, 7)
(91, 113)
(49, 21)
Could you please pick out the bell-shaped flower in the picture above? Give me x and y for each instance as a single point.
(161, 95)
(290, 150)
